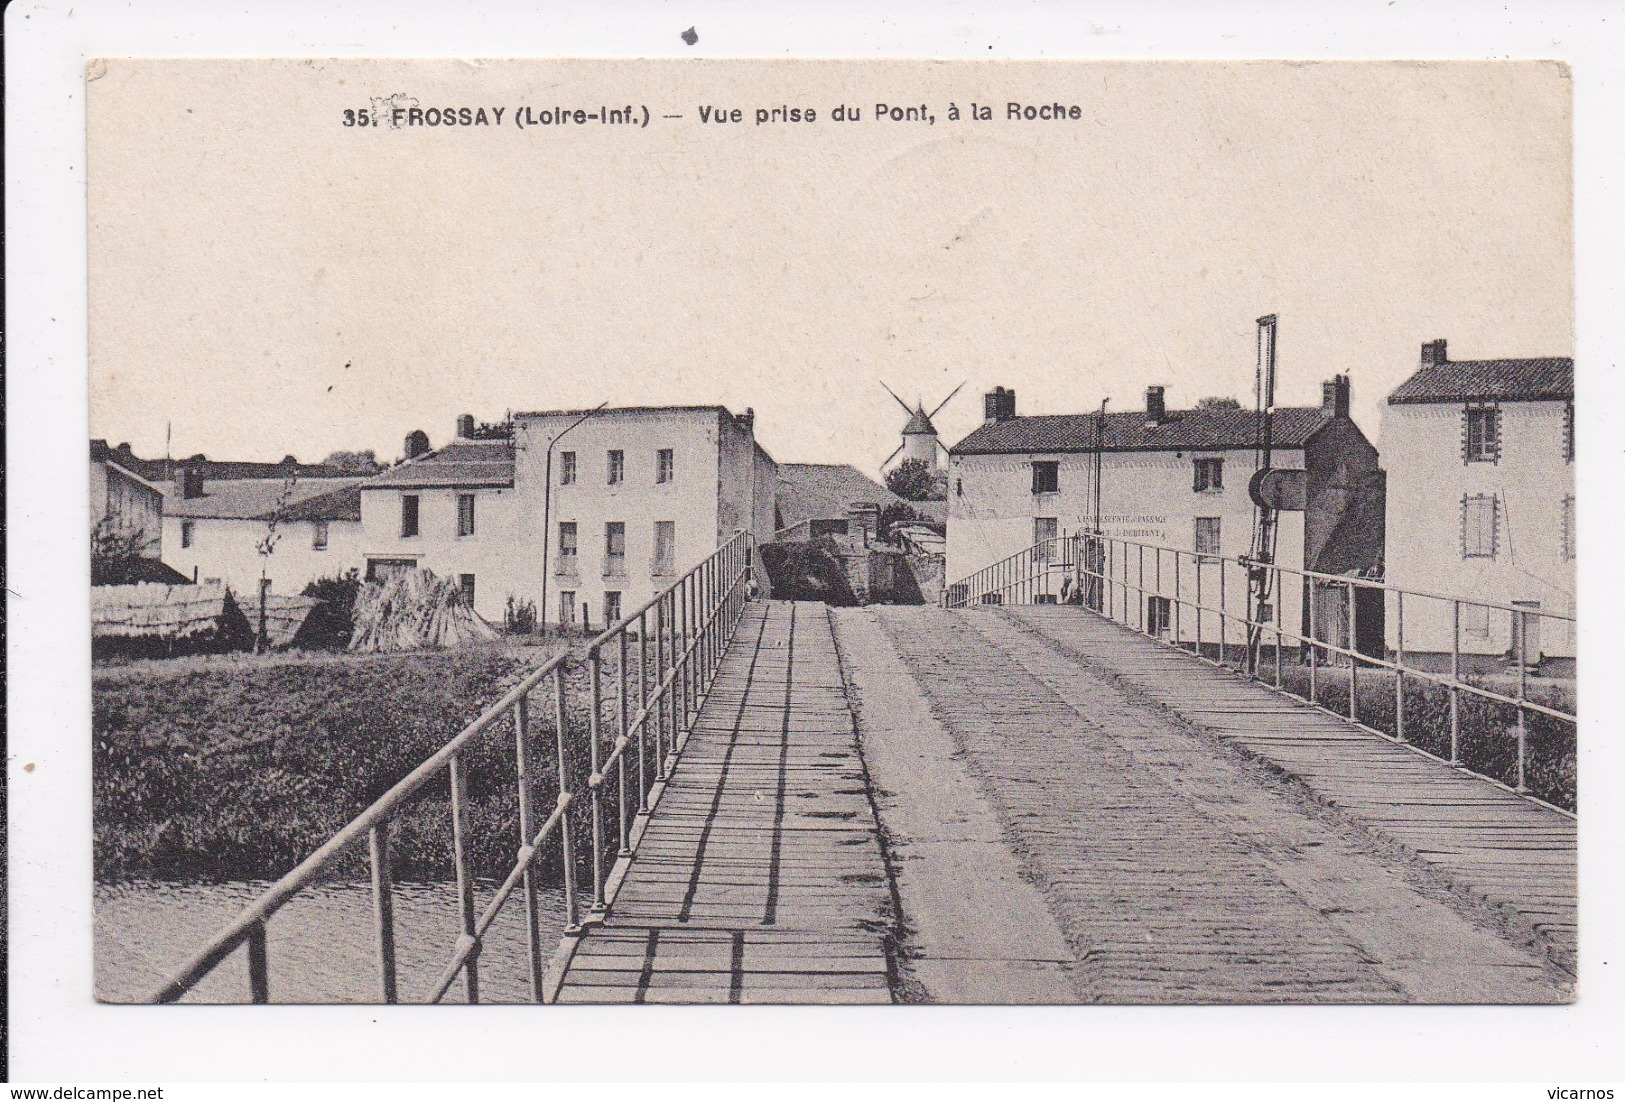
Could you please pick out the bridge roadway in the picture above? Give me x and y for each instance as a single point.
(1071, 814)
(759, 877)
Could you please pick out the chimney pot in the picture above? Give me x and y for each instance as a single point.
(1433, 352)
(1156, 408)
(1334, 395)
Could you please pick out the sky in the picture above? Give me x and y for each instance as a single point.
(267, 281)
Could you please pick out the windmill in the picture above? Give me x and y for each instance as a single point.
(919, 434)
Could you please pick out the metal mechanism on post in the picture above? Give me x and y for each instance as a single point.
(1265, 516)
(715, 594)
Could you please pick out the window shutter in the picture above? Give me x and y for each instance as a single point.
(1466, 446)
(1495, 432)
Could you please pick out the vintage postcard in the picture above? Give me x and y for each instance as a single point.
(832, 532)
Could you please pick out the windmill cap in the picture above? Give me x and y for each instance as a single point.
(919, 424)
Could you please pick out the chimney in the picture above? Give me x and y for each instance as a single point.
(465, 426)
(1433, 353)
(190, 478)
(746, 421)
(417, 443)
(1156, 409)
(1334, 394)
(998, 404)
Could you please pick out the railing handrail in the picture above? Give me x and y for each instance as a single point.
(702, 629)
(1205, 559)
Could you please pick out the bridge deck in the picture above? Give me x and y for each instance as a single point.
(1509, 851)
(759, 877)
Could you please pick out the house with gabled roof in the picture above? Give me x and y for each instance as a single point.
(1481, 454)
(288, 530)
(1174, 478)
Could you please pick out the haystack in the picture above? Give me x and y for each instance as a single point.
(149, 618)
(414, 609)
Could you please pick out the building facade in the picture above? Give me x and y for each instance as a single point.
(582, 514)
(1481, 454)
(632, 498)
(1166, 478)
(126, 509)
(286, 531)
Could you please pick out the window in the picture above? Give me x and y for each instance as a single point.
(188, 530)
(567, 607)
(617, 467)
(1044, 530)
(567, 468)
(568, 546)
(409, 514)
(1207, 536)
(318, 535)
(665, 546)
(379, 569)
(1475, 621)
(1569, 541)
(1046, 476)
(1479, 526)
(467, 582)
(1481, 435)
(664, 465)
(465, 514)
(1209, 475)
(615, 549)
(612, 607)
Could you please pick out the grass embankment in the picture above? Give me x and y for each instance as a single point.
(238, 767)
(1489, 740)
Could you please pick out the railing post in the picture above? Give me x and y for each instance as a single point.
(465, 874)
(1279, 614)
(625, 741)
(259, 965)
(561, 720)
(1312, 589)
(643, 711)
(1199, 607)
(1399, 665)
(1224, 616)
(1523, 694)
(596, 787)
(383, 909)
(527, 835)
(1354, 660)
(659, 690)
(1140, 590)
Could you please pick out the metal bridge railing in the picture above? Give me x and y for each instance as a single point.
(1247, 616)
(678, 637)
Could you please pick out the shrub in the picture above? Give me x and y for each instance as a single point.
(239, 768)
(331, 623)
(1488, 742)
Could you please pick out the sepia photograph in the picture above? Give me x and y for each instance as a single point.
(832, 532)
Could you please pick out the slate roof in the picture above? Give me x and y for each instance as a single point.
(460, 464)
(165, 470)
(256, 499)
(1548, 378)
(1182, 430)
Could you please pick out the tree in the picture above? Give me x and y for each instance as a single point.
(913, 480)
(1218, 401)
(362, 462)
(898, 512)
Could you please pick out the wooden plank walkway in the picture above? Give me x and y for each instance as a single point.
(1510, 852)
(759, 876)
